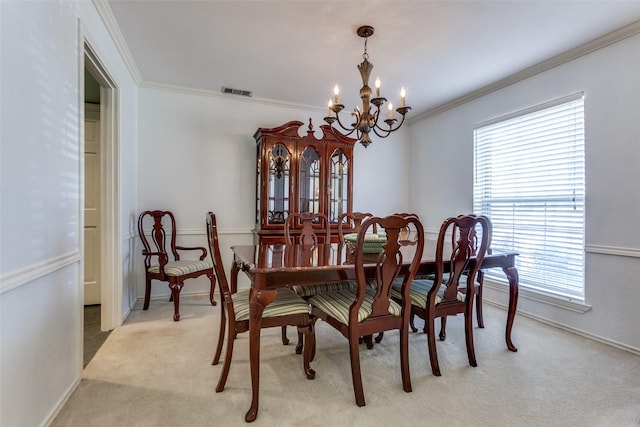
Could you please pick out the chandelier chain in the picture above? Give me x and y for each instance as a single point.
(365, 55)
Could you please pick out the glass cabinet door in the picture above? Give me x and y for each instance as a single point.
(278, 184)
(309, 187)
(338, 185)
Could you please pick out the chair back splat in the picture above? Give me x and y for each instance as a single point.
(307, 228)
(163, 260)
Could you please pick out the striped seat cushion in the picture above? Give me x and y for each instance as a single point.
(310, 290)
(180, 268)
(418, 292)
(287, 302)
(336, 304)
(399, 279)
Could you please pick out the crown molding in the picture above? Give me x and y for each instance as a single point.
(584, 49)
(109, 20)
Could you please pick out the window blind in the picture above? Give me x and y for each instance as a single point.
(529, 179)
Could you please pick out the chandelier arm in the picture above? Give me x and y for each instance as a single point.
(376, 128)
(390, 129)
(374, 123)
(348, 129)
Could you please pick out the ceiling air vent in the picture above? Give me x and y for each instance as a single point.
(239, 92)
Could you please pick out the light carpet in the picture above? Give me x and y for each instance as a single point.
(153, 371)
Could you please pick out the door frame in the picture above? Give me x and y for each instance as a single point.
(110, 234)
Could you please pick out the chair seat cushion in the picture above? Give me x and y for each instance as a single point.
(399, 279)
(286, 303)
(310, 290)
(180, 268)
(418, 292)
(336, 304)
(372, 244)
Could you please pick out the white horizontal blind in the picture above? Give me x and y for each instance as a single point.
(529, 180)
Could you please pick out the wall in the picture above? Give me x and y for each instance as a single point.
(40, 202)
(200, 155)
(610, 79)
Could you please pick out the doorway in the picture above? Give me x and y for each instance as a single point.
(101, 262)
(93, 336)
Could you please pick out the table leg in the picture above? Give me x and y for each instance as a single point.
(512, 275)
(258, 300)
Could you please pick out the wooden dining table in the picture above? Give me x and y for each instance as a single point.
(272, 266)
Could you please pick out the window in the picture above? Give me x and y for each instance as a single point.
(529, 179)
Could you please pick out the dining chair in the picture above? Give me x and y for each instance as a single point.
(158, 265)
(314, 228)
(473, 240)
(317, 228)
(286, 308)
(364, 311)
(351, 221)
(443, 296)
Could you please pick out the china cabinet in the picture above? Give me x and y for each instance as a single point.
(301, 174)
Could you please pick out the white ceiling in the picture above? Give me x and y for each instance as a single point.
(296, 51)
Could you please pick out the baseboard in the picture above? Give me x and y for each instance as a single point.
(584, 334)
(63, 400)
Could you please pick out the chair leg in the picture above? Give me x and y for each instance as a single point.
(379, 337)
(212, 279)
(468, 332)
(223, 323)
(356, 376)
(175, 294)
(285, 340)
(479, 299)
(227, 361)
(412, 316)
(443, 328)
(369, 341)
(147, 294)
(313, 344)
(309, 338)
(431, 343)
(404, 359)
(300, 343)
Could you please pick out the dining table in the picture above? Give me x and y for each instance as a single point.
(273, 266)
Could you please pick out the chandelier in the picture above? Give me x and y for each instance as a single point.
(367, 119)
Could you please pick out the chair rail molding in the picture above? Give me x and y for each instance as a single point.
(38, 270)
(613, 250)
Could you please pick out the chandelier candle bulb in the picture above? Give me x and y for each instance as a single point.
(390, 111)
(378, 87)
(336, 92)
(403, 93)
(330, 105)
